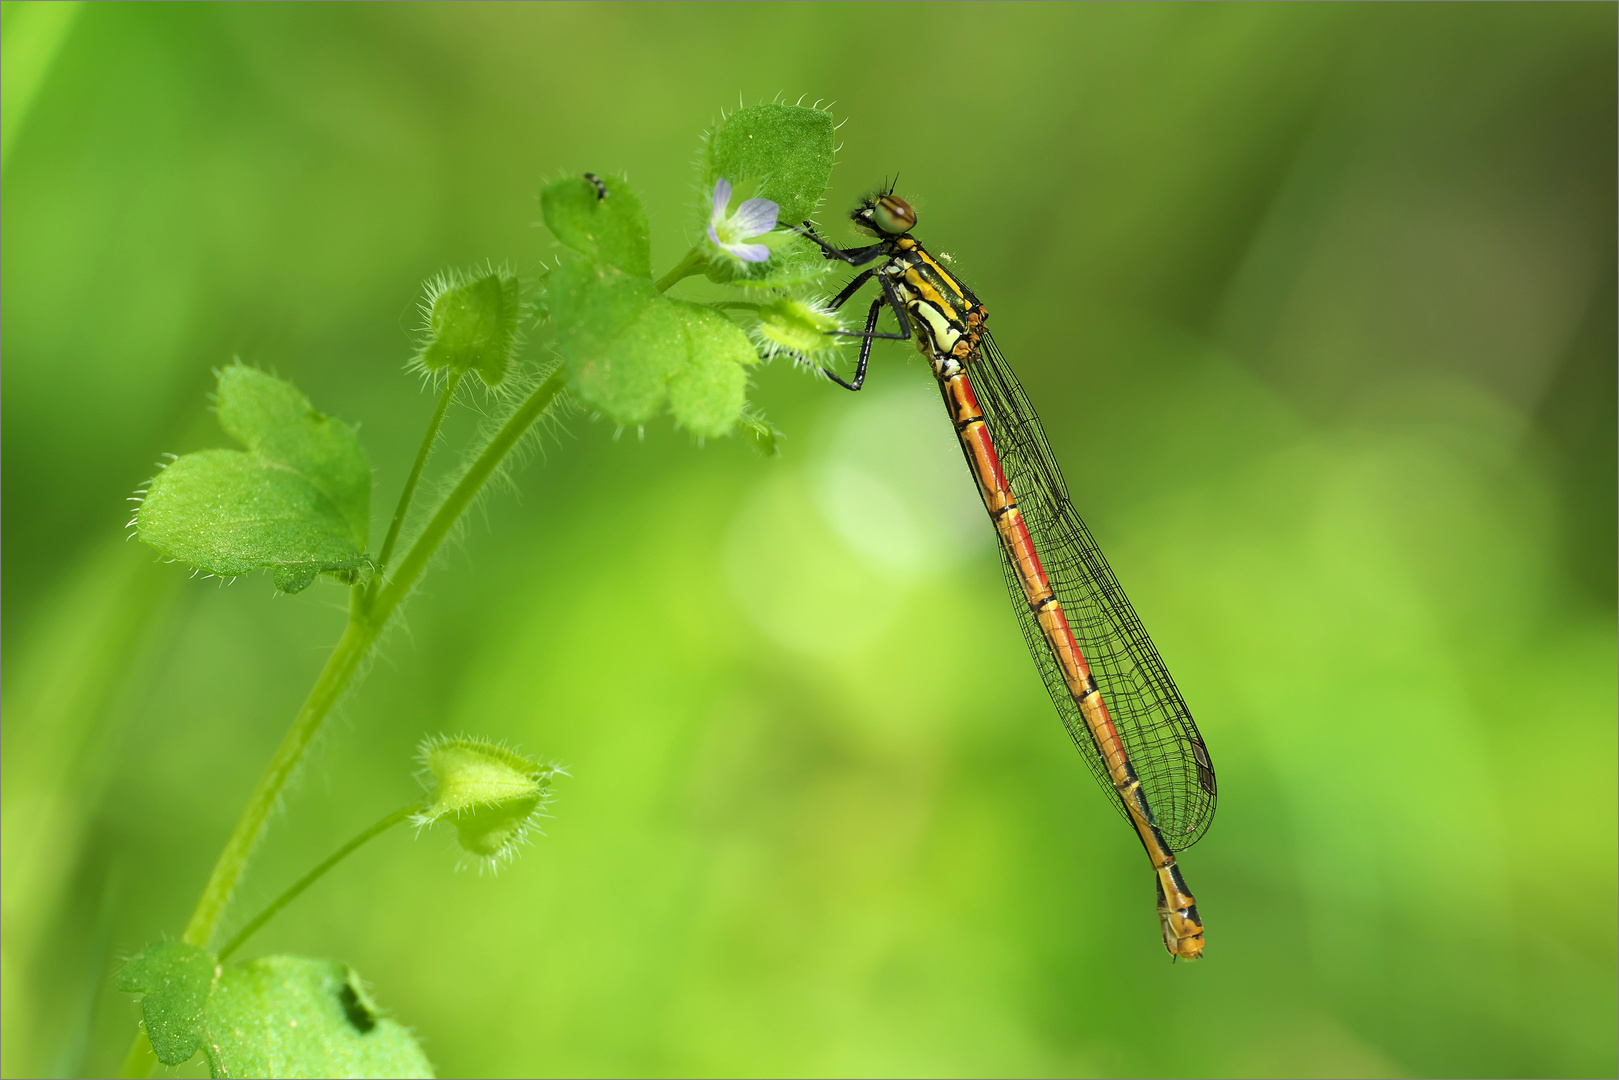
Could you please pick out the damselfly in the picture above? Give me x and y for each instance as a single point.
(1114, 694)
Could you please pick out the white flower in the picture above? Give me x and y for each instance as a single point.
(755, 217)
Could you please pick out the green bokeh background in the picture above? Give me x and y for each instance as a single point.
(1318, 305)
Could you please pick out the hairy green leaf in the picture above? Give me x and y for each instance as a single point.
(176, 980)
(786, 150)
(630, 350)
(297, 502)
(708, 392)
(277, 1016)
(619, 337)
(610, 228)
(474, 326)
(293, 1016)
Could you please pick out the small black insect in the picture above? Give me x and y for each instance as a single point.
(601, 188)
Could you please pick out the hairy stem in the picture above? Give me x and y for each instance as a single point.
(693, 262)
(334, 679)
(366, 621)
(444, 519)
(315, 875)
(409, 493)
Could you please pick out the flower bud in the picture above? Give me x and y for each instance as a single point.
(472, 325)
(492, 794)
(798, 327)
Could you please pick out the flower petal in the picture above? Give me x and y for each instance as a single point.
(755, 218)
(712, 235)
(722, 199)
(749, 252)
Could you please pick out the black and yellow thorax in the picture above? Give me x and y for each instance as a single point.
(944, 313)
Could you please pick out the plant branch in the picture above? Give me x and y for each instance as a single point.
(365, 623)
(314, 875)
(416, 559)
(409, 493)
(693, 261)
(334, 679)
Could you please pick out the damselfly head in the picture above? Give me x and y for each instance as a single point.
(885, 213)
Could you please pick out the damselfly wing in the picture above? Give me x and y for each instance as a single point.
(1116, 698)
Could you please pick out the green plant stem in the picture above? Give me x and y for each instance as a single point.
(366, 621)
(444, 519)
(334, 679)
(315, 875)
(693, 262)
(409, 493)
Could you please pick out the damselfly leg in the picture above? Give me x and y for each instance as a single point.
(890, 296)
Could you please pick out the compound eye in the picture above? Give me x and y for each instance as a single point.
(894, 215)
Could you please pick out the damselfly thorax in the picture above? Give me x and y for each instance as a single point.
(947, 318)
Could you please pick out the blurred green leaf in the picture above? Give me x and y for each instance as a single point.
(629, 350)
(785, 149)
(175, 979)
(293, 1016)
(298, 502)
(619, 337)
(708, 392)
(272, 417)
(474, 326)
(33, 35)
(609, 228)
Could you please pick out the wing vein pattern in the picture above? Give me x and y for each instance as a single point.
(1157, 729)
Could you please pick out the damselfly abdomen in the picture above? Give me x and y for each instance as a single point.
(1114, 694)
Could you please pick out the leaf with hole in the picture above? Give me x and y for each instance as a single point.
(294, 1016)
(276, 1016)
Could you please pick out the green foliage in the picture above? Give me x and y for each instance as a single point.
(611, 228)
(778, 152)
(294, 1016)
(782, 153)
(176, 980)
(630, 350)
(473, 326)
(276, 1016)
(619, 338)
(708, 392)
(298, 501)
